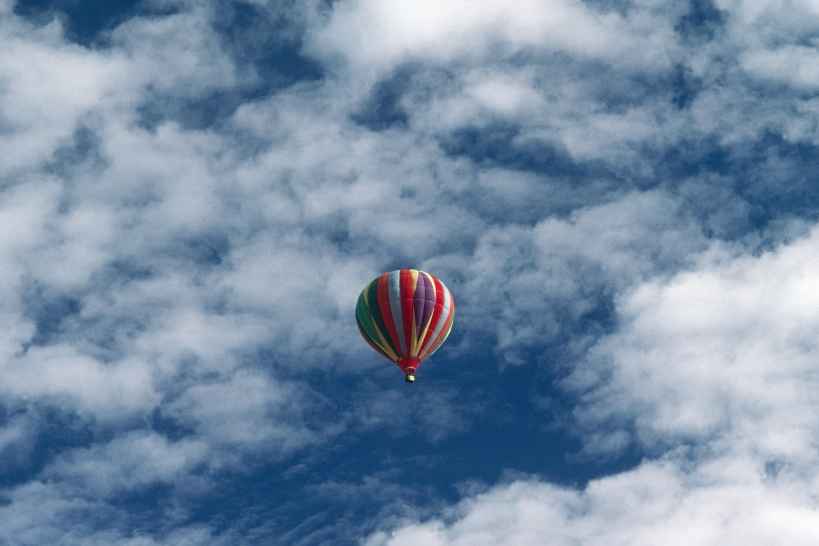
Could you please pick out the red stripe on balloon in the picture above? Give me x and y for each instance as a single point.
(386, 312)
(444, 331)
(407, 307)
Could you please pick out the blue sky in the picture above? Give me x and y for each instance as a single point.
(621, 196)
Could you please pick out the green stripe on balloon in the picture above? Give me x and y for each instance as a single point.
(375, 314)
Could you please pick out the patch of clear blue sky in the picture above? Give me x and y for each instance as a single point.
(85, 19)
(507, 430)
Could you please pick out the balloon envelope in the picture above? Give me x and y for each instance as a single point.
(405, 315)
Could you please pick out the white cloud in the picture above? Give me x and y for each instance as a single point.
(770, 17)
(724, 352)
(775, 41)
(48, 88)
(73, 518)
(657, 503)
(790, 64)
(179, 54)
(63, 376)
(80, 241)
(534, 282)
(17, 442)
(631, 238)
(24, 213)
(547, 108)
(248, 411)
(442, 31)
(127, 463)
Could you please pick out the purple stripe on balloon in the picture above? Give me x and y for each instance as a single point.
(428, 303)
(419, 300)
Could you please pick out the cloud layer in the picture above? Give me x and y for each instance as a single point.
(619, 194)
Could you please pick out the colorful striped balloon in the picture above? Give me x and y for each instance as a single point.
(405, 315)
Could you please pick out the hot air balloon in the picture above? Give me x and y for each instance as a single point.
(405, 315)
